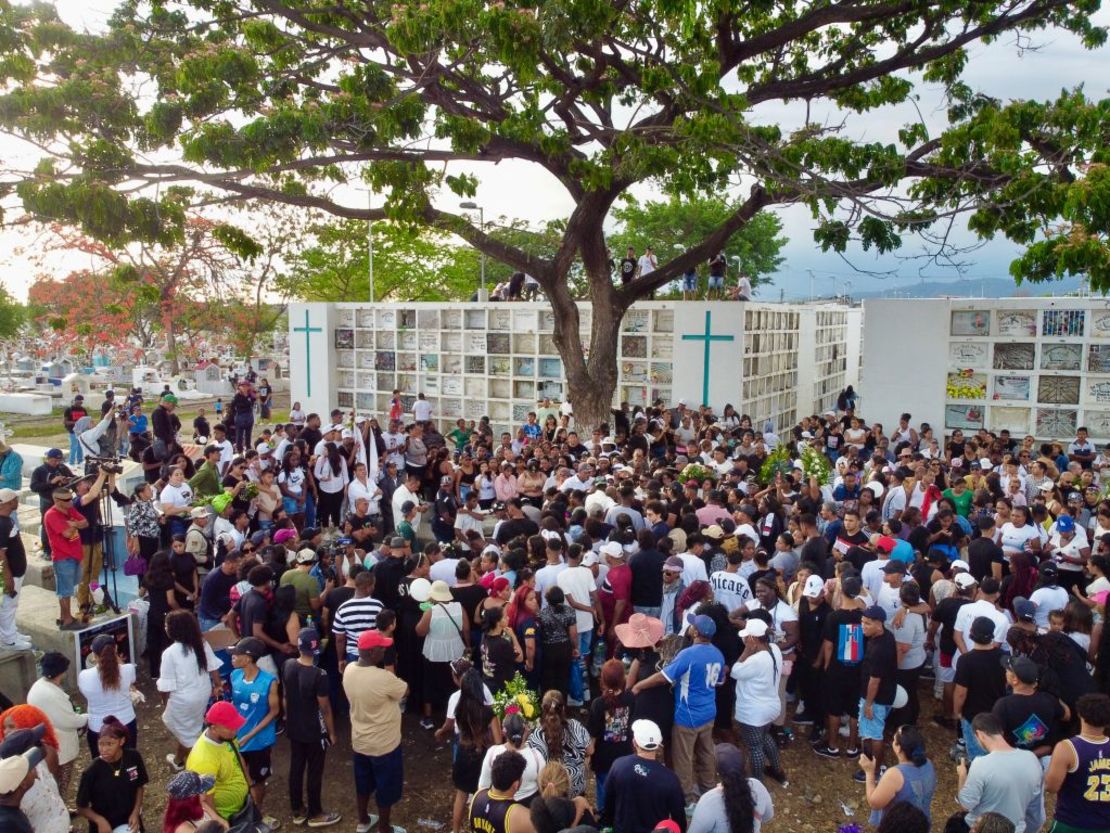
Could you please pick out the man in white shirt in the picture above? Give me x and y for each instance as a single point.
(693, 568)
(744, 289)
(647, 262)
(547, 576)
(984, 605)
(442, 569)
(421, 409)
(369, 491)
(728, 587)
(227, 450)
(395, 445)
(409, 491)
(872, 573)
(578, 583)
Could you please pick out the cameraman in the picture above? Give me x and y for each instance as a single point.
(87, 502)
(103, 439)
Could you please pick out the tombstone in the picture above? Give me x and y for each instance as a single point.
(209, 378)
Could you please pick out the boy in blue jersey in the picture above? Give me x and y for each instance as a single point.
(254, 693)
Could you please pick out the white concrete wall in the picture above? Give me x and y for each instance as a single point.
(312, 382)
(725, 357)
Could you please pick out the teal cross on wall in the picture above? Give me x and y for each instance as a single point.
(308, 331)
(708, 338)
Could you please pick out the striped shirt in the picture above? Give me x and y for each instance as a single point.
(353, 617)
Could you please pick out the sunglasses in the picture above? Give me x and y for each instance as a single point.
(247, 550)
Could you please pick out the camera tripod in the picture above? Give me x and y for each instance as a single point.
(108, 547)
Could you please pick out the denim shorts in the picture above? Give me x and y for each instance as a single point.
(716, 282)
(689, 283)
(872, 729)
(291, 506)
(67, 572)
(382, 776)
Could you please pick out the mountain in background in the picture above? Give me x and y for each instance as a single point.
(970, 288)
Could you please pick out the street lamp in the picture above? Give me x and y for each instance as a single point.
(469, 205)
(370, 240)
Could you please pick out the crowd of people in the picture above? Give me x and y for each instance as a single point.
(684, 594)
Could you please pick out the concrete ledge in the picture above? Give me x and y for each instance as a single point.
(18, 670)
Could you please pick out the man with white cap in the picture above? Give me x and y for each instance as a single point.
(813, 610)
(639, 790)
(615, 594)
(17, 776)
(13, 565)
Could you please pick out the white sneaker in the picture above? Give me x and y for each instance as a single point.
(17, 645)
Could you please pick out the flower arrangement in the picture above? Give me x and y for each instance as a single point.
(696, 472)
(777, 461)
(516, 698)
(816, 465)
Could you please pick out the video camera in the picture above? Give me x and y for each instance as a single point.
(109, 465)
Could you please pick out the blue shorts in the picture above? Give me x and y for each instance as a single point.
(382, 776)
(872, 729)
(716, 282)
(291, 506)
(67, 573)
(689, 283)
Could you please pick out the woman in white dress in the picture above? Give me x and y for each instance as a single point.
(42, 803)
(190, 677)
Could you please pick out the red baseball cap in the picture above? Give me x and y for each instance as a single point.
(225, 714)
(373, 639)
(885, 543)
(668, 825)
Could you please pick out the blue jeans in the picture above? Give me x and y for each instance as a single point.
(601, 776)
(974, 750)
(309, 510)
(654, 612)
(206, 624)
(579, 677)
(76, 454)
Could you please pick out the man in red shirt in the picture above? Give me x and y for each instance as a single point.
(63, 523)
(615, 593)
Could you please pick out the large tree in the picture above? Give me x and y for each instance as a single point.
(281, 99)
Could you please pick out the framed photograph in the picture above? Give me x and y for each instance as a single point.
(1063, 322)
(498, 343)
(1012, 388)
(964, 417)
(968, 354)
(1100, 323)
(1061, 356)
(971, 323)
(344, 338)
(1017, 322)
(1098, 358)
(385, 360)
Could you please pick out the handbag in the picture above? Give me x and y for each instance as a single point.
(248, 820)
(135, 565)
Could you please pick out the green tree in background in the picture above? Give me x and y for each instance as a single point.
(187, 101)
(670, 227)
(12, 315)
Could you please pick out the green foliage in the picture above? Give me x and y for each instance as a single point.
(12, 315)
(678, 224)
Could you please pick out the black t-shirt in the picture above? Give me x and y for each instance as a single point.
(311, 436)
(215, 594)
(446, 507)
(815, 550)
(1030, 720)
(469, 596)
(980, 672)
(981, 554)
(253, 608)
(334, 598)
(201, 427)
(919, 538)
(109, 789)
(512, 528)
(945, 614)
(12, 544)
(611, 729)
(303, 684)
(12, 820)
(149, 458)
(811, 627)
(628, 269)
(647, 578)
(844, 631)
(387, 578)
(880, 659)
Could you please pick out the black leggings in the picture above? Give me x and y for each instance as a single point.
(908, 714)
(555, 667)
(763, 752)
(329, 509)
(243, 437)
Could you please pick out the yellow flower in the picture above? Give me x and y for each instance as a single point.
(522, 699)
(529, 712)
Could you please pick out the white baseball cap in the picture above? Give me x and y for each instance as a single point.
(960, 564)
(8, 494)
(590, 558)
(756, 627)
(612, 549)
(647, 735)
(813, 587)
(965, 580)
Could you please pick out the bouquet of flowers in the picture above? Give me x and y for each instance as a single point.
(516, 698)
(696, 472)
(777, 461)
(250, 491)
(816, 465)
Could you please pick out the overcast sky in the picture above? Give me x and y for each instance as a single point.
(521, 190)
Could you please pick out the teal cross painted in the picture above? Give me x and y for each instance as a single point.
(308, 331)
(708, 338)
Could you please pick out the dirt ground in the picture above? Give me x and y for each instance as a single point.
(819, 798)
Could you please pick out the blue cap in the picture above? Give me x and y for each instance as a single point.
(1065, 524)
(875, 613)
(702, 623)
(55, 453)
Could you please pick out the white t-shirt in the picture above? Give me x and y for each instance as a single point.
(757, 687)
(970, 612)
(422, 410)
(371, 491)
(293, 480)
(1013, 538)
(444, 570)
(1071, 549)
(176, 496)
(781, 613)
(693, 568)
(577, 583)
(546, 578)
(529, 781)
(327, 479)
(710, 816)
(745, 288)
(911, 633)
(392, 443)
(113, 701)
(1047, 599)
(730, 589)
(180, 673)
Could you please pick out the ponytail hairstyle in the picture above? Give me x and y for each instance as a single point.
(553, 721)
(612, 683)
(556, 598)
(491, 617)
(107, 662)
(913, 744)
(737, 793)
(470, 714)
(515, 729)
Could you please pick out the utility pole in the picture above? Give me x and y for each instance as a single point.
(370, 241)
(470, 205)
